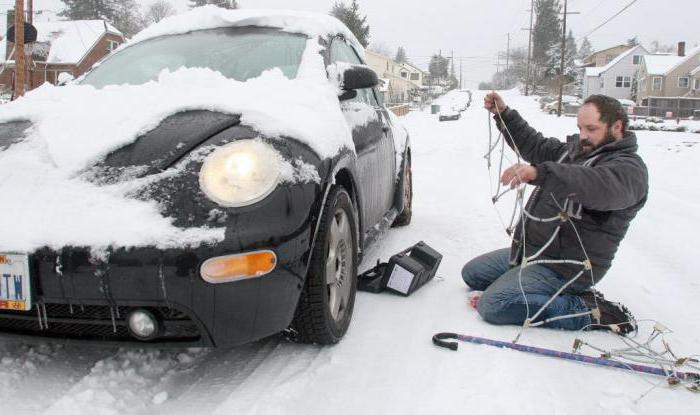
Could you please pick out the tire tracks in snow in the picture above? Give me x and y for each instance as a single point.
(233, 381)
(33, 377)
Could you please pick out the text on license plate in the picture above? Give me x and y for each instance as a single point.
(15, 283)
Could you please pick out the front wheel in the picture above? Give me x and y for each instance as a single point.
(327, 301)
(404, 217)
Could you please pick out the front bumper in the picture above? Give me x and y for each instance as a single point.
(78, 298)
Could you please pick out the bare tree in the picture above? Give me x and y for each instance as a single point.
(380, 48)
(159, 10)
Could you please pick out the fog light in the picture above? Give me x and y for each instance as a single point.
(142, 324)
(237, 267)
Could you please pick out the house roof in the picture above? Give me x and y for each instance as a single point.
(597, 71)
(412, 67)
(67, 42)
(601, 51)
(665, 64)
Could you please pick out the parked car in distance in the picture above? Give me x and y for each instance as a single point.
(553, 106)
(628, 105)
(449, 114)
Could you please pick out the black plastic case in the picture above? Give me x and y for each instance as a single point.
(406, 271)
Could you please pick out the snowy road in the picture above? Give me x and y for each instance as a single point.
(386, 363)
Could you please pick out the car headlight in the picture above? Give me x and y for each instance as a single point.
(240, 173)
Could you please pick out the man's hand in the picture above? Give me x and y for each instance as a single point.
(494, 103)
(518, 174)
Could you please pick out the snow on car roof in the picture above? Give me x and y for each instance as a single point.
(210, 17)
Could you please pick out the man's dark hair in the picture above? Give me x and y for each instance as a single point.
(610, 110)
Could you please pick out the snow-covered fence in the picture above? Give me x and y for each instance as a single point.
(651, 125)
(399, 110)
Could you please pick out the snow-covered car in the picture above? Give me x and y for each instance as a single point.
(449, 113)
(552, 107)
(213, 182)
(628, 105)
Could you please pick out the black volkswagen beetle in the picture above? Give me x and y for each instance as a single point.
(290, 251)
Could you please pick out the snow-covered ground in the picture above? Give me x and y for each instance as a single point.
(387, 363)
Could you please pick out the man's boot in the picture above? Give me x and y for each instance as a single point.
(608, 315)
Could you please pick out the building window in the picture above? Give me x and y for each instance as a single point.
(111, 45)
(602, 83)
(415, 77)
(636, 59)
(656, 83)
(697, 84)
(404, 74)
(683, 82)
(623, 81)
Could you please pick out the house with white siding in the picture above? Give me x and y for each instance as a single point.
(615, 79)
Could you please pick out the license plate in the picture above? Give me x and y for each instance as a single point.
(15, 282)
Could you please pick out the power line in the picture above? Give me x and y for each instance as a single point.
(608, 20)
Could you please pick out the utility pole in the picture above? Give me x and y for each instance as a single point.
(497, 81)
(30, 56)
(20, 64)
(508, 53)
(563, 53)
(529, 50)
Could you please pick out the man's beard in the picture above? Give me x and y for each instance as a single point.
(587, 145)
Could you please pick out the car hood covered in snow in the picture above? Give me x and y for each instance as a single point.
(53, 134)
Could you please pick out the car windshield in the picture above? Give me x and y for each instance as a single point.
(237, 53)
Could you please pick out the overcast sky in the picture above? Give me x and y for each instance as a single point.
(477, 30)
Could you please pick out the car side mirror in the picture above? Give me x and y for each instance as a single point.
(349, 77)
(359, 77)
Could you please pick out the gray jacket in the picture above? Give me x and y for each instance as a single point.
(601, 192)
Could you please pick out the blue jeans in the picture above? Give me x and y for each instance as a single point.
(502, 301)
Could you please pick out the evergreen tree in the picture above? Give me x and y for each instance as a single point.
(350, 16)
(439, 67)
(545, 35)
(554, 64)
(634, 88)
(586, 49)
(89, 9)
(633, 41)
(225, 4)
(401, 55)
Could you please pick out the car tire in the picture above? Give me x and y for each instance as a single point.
(328, 298)
(404, 217)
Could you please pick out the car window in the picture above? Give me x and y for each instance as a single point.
(237, 53)
(342, 52)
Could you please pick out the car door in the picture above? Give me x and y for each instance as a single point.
(371, 133)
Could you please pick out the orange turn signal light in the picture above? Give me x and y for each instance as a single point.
(238, 267)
